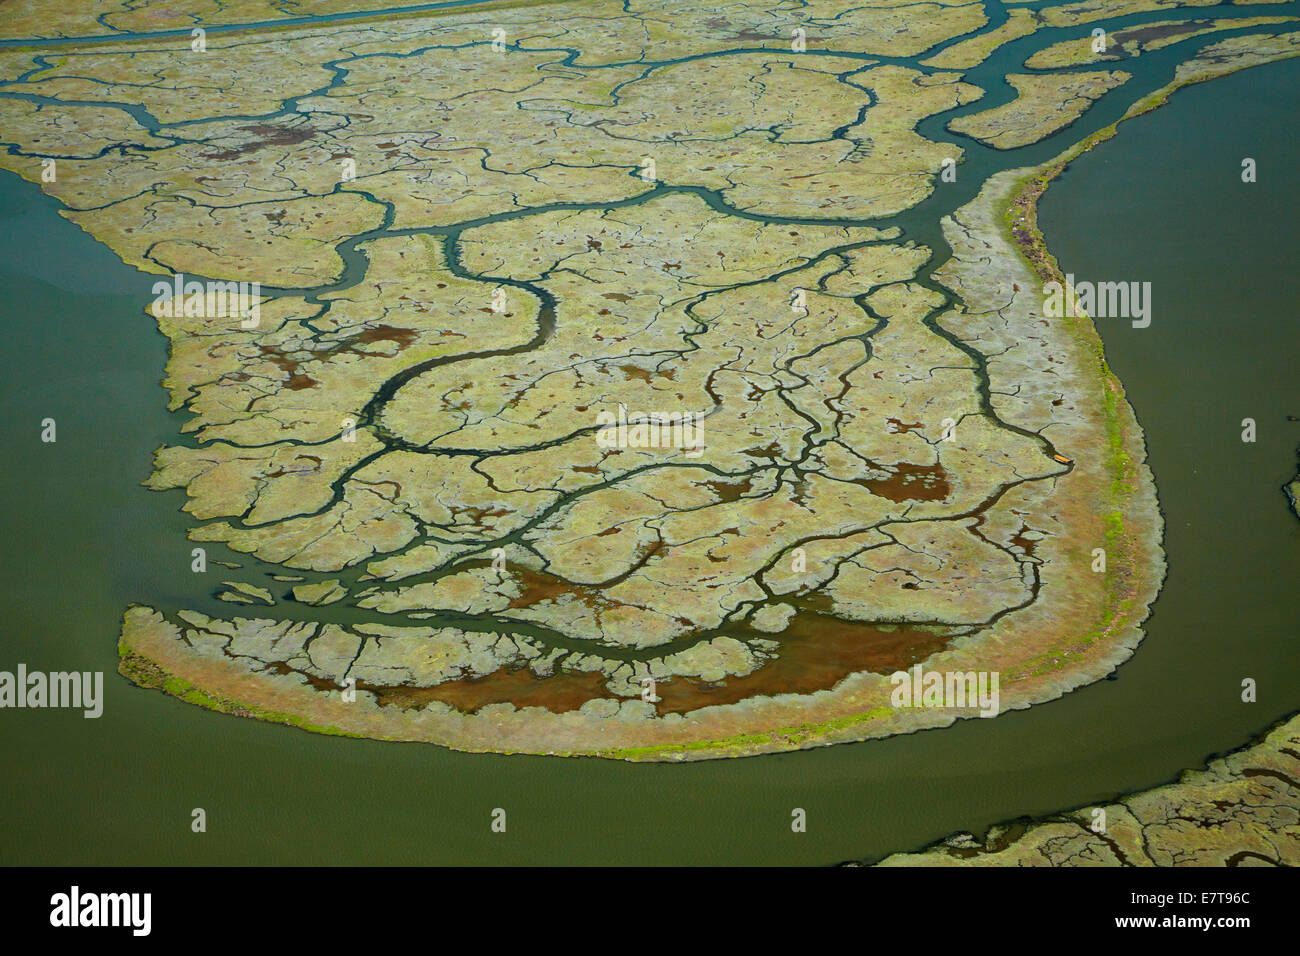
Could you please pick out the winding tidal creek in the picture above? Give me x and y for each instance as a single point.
(1162, 202)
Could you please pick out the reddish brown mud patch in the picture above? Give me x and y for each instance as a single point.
(559, 693)
(816, 653)
(912, 483)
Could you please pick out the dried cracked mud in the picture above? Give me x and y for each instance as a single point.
(471, 260)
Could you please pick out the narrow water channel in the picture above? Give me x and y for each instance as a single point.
(1163, 202)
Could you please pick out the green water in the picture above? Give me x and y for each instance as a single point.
(1161, 203)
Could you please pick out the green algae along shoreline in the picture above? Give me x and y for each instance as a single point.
(1243, 800)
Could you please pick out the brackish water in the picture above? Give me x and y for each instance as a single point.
(1163, 202)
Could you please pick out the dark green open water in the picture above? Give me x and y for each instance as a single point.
(1161, 203)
